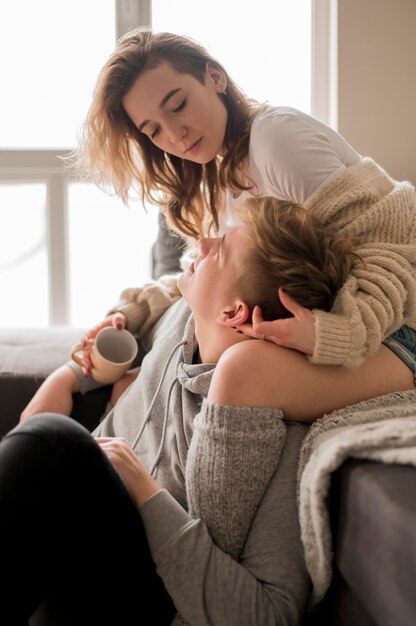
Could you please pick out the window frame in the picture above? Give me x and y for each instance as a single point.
(324, 60)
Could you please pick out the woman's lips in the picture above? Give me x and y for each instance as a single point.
(194, 147)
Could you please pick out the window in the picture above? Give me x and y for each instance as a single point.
(67, 248)
(23, 253)
(265, 45)
(55, 51)
(116, 240)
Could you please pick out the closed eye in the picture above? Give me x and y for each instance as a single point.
(180, 107)
(155, 132)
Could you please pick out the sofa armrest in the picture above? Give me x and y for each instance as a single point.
(376, 538)
(27, 357)
(373, 512)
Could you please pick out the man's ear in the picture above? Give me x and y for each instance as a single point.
(234, 315)
(217, 77)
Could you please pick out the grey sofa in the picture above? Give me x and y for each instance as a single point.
(373, 505)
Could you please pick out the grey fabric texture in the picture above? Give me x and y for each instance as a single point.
(237, 460)
(267, 584)
(36, 351)
(375, 537)
(166, 250)
(252, 438)
(173, 405)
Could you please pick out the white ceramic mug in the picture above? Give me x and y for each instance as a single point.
(112, 352)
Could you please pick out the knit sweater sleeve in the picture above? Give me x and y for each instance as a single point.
(237, 449)
(379, 295)
(143, 306)
(236, 557)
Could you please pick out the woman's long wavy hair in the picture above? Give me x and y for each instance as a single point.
(113, 152)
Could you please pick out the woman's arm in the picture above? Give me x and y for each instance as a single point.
(360, 200)
(260, 374)
(379, 295)
(376, 299)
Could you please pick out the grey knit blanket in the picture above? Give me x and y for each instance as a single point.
(381, 429)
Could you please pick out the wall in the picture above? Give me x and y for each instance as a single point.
(377, 81)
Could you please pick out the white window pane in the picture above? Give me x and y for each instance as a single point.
(265, 45)
(109, 250)
(23, 256)
(50, 55)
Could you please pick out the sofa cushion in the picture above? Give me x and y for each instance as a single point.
(27, 357)
(37, 351)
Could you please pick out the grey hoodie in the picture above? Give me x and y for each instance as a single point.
(224, 530)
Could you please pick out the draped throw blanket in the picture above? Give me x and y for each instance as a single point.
(382, 429)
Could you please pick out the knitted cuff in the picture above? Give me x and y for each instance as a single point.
(233, 454)
(144, 307)
(136, 314)
(333, 339)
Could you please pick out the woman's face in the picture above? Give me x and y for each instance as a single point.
(180, 115)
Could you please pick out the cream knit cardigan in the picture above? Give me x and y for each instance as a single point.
(363, 202)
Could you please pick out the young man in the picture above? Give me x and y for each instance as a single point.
(210, 503)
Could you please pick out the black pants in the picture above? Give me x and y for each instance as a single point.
(73, 547)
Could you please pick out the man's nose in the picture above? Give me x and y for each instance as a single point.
(208, 243)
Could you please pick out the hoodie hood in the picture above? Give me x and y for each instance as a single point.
(194, 377)
(156, 413)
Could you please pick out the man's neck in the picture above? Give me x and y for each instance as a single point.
(214, 339)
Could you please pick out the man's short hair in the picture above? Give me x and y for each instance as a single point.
(292, 250)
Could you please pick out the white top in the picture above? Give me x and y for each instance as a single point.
(291, 154)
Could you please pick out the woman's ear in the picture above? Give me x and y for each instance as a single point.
(234, 315)
(216, 76)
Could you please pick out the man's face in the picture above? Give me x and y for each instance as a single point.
(180, 115)
(209, 283)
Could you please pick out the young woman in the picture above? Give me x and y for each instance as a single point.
(168, 121)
